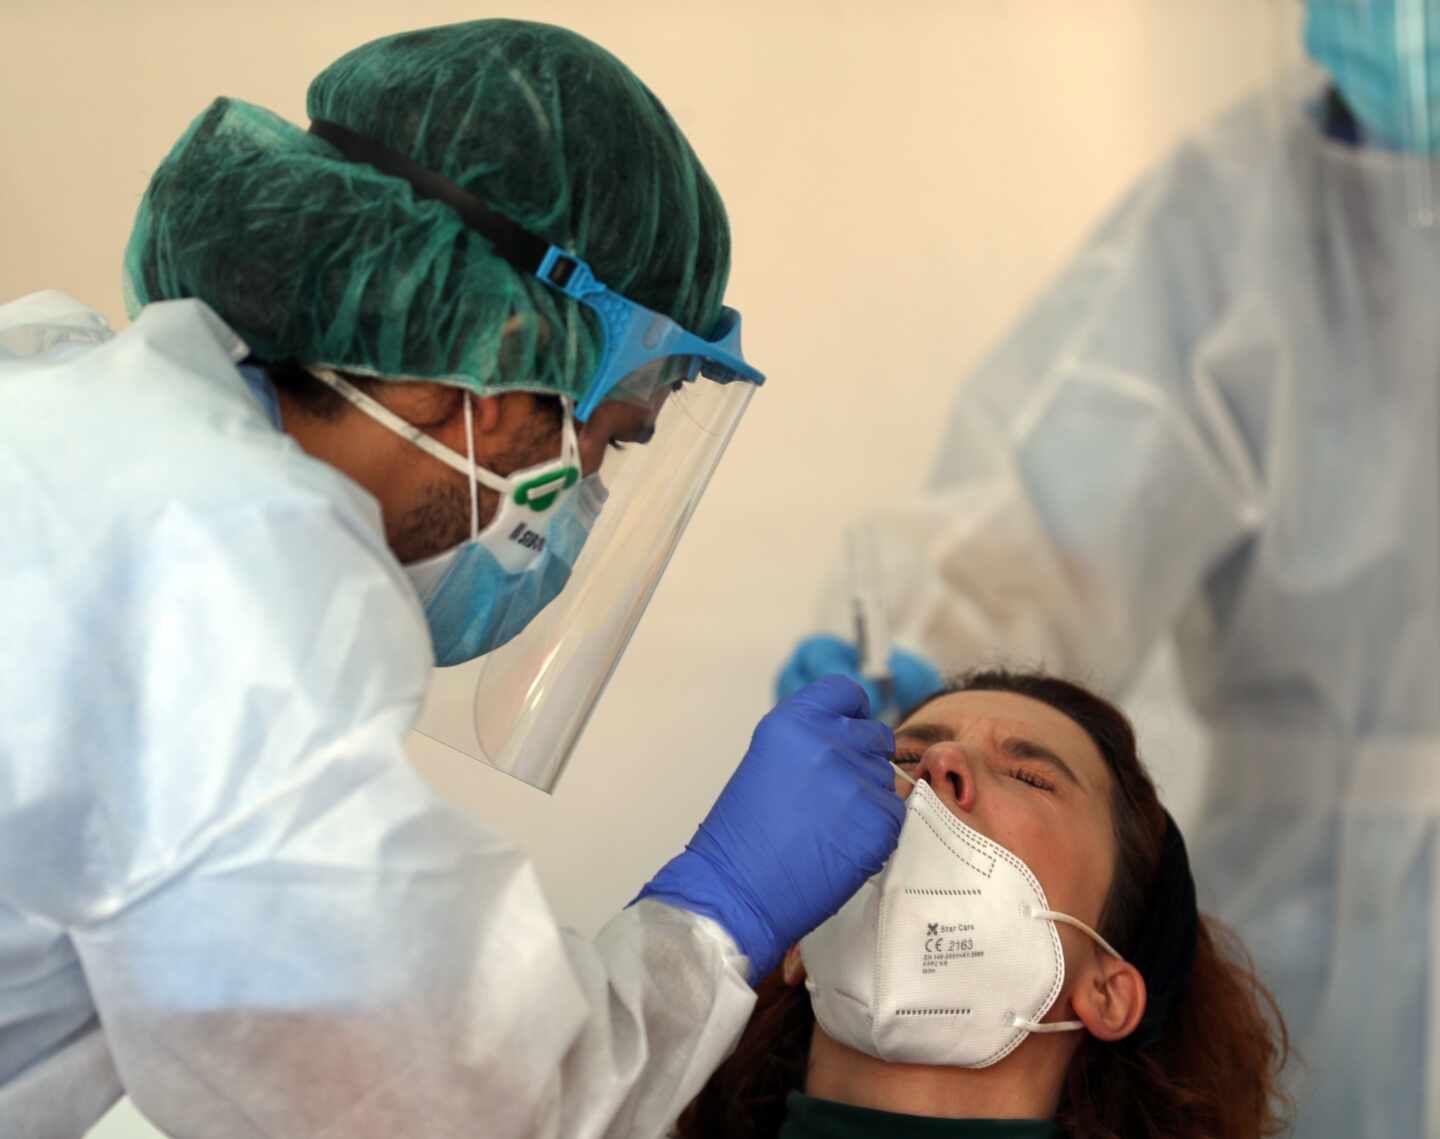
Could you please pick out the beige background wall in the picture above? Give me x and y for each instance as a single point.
(900, 178)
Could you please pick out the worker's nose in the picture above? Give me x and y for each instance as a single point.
(950, 770)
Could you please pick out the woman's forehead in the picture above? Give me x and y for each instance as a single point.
(979, 716)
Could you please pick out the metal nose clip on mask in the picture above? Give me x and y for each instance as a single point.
(948, 956)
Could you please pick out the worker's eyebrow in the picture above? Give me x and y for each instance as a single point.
(1018, 748)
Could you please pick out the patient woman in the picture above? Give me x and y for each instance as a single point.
(1030, 963)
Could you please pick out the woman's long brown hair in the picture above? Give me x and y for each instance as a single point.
(1213, 1074)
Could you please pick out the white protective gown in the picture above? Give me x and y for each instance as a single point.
(1221, 422)
(223, 889)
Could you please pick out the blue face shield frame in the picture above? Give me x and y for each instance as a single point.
(635, 336)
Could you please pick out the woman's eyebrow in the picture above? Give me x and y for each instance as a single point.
(1017, 748)
(926, 733)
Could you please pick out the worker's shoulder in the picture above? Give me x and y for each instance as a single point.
(44, 322)
(155, 433)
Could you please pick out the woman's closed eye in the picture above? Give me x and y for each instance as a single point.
(1034, 778)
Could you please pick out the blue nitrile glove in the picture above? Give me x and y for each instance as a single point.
(808, 816)
(914, 677)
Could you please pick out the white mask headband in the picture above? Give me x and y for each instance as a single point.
(465, 465)
(470, 453)
(1051, 915)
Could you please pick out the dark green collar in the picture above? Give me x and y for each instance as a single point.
(809, 1118)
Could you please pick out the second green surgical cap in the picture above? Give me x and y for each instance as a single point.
(318, 260)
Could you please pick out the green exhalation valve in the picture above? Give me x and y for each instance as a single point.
(541, 492)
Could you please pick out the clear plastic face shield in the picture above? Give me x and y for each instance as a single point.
(1367, 72)
(603, 545)
(522, 707)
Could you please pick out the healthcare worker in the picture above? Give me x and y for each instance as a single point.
(357, 428)
(1223, 422)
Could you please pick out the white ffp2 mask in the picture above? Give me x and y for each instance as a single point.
(948, 956)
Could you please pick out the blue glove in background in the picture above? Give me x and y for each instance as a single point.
(915, 677)
(807, 817)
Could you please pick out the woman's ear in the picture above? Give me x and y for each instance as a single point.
(792, 968)
(1109, 998)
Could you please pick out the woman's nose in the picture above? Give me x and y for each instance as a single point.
(949, 769)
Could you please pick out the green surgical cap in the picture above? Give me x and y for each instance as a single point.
(322, 261)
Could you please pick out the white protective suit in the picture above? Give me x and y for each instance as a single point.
(223, 889)
(1223, 421)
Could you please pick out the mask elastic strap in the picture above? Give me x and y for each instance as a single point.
(410, 433)
(1046, 1026)
(569, 439)
(1062, 1025)
(1066, 919)
(470, 450)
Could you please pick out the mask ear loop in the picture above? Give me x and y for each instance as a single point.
(1045, 1026)
(1076, 923)
(1062, 1025)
